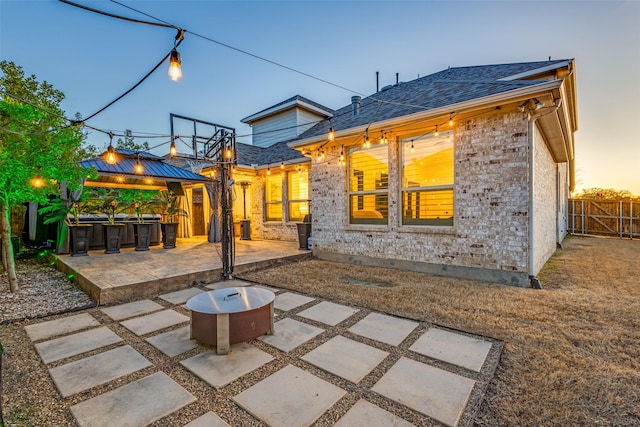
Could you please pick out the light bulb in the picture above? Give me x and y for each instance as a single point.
(175, 71)
(436, 130)
(111, 155)
(331, 135)
(172, 149)
(268, 171)
(138, 168)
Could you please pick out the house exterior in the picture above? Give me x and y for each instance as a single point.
(465, 172)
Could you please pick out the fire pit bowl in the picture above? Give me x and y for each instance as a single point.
(231, 315)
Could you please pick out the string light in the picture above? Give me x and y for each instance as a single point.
(228, 153)
(436, 130)
(367, 143)
(383, 138)
(138, 167)
(412, 150)
(451, 119)
(331, 135)
(175, 69)
(268, 170)
(111, 152)
(281, 165)
(37, 181)
(172, 148)
(342, 155)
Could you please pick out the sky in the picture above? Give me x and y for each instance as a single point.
(93, 59)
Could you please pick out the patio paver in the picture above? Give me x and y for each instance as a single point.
(453, 348)
(131, 309)
(328, 313)
(208, 420)
(387, 329)
(62, 326)
(290, 333)
(174, 342)
(132, 404)
(432, 391)
(219, 370)
(367, 414)
(289, 301)
(154, 322)
(99, 369)
(301, 398)
(346, 358)
(181, 296)
(71, 345)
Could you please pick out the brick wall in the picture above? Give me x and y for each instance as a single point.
(489, 236)
(545, 202)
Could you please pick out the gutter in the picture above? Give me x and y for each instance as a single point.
(534, 282)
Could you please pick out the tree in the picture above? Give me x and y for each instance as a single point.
(130, 143)
(39, 148)
(603, 193)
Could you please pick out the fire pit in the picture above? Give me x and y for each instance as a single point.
(231, 315)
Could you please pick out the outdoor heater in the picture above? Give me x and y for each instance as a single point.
(245, 224)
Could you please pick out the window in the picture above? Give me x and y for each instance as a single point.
(369, 185)
(427, 180)
(273, 198)
(298, 195)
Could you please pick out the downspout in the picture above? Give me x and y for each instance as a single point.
(534, 282)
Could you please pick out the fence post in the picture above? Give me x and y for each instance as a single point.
(621, 226)
(582, 213)
(631, 219)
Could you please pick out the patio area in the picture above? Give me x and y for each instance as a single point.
(326, 364)
(129, 275)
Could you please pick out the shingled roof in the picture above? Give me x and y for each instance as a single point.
(154, 167)
(447, 87)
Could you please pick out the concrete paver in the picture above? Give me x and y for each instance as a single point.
(432, 391)
(367, 414)
(62, 326)
(290, 334)
(380, 327)
(328, 312)
(346, 358)
(288, 301)
(219, 370)
(132, 404)
(207, 420)
(154, 322)
(78, 343)
(234, 283)
(453, 348)
(98, 369)
(136, 308)
(181, 296)
(174, 342)
(301, 398)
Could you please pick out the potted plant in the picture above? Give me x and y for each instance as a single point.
(62, 210)
(112, 231)
(143, 203)
(171, 211)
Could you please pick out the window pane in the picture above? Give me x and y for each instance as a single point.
(298, 210)
(427, 207)
(273, 193)
(369, 209)
(429, 163)
(368, 168)
(299, 185)
(273, 188)
(274, 211)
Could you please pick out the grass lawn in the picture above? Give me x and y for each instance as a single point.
(572, 350)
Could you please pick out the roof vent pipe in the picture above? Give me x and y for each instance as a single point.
(397, 76)
(355, 104)
(377, 81)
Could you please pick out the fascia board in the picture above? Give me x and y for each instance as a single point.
(536, 71)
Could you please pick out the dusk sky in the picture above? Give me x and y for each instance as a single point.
(93, 59)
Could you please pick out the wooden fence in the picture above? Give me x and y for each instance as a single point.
(605, 217)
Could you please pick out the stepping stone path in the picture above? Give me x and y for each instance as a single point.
(408, 377)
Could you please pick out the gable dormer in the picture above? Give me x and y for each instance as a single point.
(285, 120)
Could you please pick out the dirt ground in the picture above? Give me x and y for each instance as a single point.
(572, 349)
